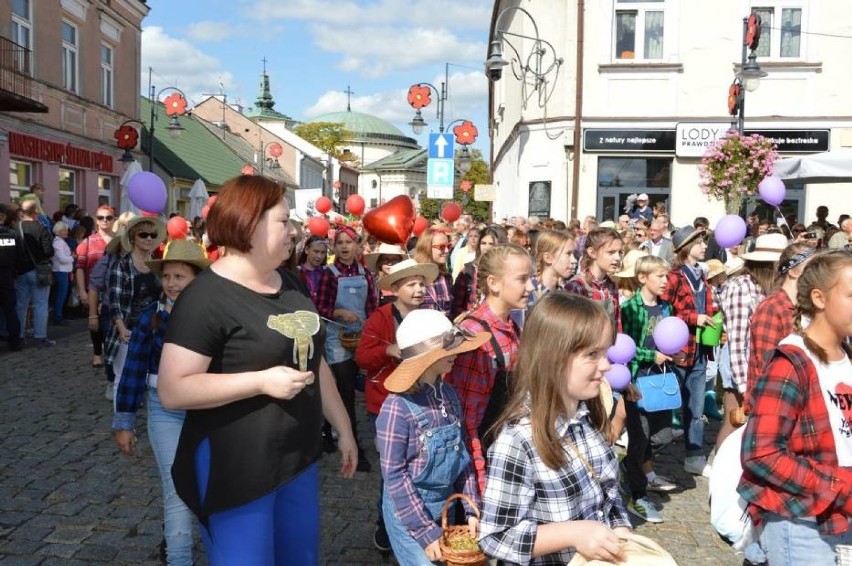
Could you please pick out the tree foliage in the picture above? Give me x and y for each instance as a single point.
(328, 136)
(477, 175)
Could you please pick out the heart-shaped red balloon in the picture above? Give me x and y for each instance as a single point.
(392, 222)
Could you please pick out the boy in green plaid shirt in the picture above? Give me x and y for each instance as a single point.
(639, 317)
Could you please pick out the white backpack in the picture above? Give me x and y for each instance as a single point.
(728, 513)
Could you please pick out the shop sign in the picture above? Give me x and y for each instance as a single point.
(629, 141)
(693, 138)
(67, 154)
(483, 193)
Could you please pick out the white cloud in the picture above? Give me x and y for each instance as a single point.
(210, 31)
(389, 105)
(377, 51)
(182, 65)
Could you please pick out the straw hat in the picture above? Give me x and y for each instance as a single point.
(114, 246)
(767, 248)
(733, 265)
(159, 227)
(384, 249)
(607, 224)
(714, 268)
(409, 268)
(424, 337)
(685, 236)
(628, 264)
(183, 251)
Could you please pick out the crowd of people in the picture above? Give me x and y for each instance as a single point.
(480, 350)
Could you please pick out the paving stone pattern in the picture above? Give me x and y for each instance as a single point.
(68, 497)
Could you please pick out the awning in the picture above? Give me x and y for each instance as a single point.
(828, 167)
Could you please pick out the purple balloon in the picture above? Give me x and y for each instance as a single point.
(730, 231)
(618, 376)
(147, 192)
(671, 335)
(623, 350)
(772, 190)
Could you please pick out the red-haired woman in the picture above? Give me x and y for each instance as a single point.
(245, 372)
(89, 251)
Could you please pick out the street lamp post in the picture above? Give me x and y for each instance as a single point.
(274, 150)
(749, 75)
(420, 96)
(175, 105)
(127, 137)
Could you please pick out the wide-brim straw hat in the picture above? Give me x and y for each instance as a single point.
(408, 268)
(183, 251)
(767, 248)
(114, 246)
(425, 336)
(686, 236)
(159, 227)
(714, 268)
(628, 264)
(733, 265)
(371, 259)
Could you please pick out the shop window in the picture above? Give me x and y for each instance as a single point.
(22, 33)
(70, 57)
(620, 177)
(639, 29)
(780, 31)
(20, 178)
(105, 191)
(67, 188)
(106, 75)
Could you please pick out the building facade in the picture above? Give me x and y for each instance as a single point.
(80, 60)
(651, 93)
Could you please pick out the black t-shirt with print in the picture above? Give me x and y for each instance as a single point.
(260, 443)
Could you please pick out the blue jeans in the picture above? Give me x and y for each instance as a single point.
(381, 477)
(28, 290)
(280, 528)
(792, 542)
(60, 294)
(164, 428)
(693, 382)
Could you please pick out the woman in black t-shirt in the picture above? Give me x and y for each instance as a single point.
(242, 351)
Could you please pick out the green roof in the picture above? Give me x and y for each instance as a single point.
(407, 159)
(367, 128)
(196, 154)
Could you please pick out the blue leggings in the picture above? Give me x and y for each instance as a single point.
(280, 528)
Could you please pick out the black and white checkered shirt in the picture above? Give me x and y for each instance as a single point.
(522, 492)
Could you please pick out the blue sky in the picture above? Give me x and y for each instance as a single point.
(315, 48)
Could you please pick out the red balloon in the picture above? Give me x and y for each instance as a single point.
(355, 205)
(149, 214)
(323, 205)
(420, 225)
(451, 212)
(318, 226)
(392, 222)
(177, 228)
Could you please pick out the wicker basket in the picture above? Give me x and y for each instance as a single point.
(349, 340)
(449, 555)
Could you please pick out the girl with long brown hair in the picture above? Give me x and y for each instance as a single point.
(601, 260)
(552, 435)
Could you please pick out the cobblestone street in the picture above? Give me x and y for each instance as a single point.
(67, 496)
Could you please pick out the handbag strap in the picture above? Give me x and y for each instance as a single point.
(26, 246)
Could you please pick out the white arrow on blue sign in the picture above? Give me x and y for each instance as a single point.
(441, 146)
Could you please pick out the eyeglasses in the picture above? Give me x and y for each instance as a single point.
(441, 247)
(147, 235)
(105, 217)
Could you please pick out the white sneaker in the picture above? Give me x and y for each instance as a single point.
(109, 393)
(662, 484)
(645, 510)
(697, 466)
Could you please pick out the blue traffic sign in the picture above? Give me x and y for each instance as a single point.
(440, 175)
(441, 146)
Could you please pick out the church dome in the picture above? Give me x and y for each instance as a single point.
(368, 128)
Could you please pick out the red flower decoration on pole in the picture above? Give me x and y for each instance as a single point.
(175, 104)
(466, 185)
(247, 169)
(465, 133)
(275, 149)
(127, 137)
(419, 96)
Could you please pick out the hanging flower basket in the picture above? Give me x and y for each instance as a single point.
(733, 166)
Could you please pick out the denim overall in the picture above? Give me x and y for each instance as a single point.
(352, 296)
(446, 460)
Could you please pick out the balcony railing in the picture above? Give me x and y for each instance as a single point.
(16, 83)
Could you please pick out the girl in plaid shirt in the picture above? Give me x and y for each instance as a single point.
(797, 446)
(552, 487)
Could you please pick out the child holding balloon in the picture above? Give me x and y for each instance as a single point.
(639, 317)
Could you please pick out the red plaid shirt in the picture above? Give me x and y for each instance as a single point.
(439, 295)
(679, 293)
(474, 372)
(739, 300)
(602, 291)
(771, 322)
(327, 289)
(789, 458)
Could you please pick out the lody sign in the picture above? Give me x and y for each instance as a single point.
(693, 138)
